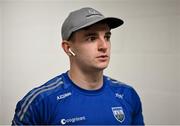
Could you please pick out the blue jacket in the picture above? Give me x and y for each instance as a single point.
(61, 102)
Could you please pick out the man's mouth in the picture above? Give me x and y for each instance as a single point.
(103, 57)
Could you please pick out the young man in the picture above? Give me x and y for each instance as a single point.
(83, 95)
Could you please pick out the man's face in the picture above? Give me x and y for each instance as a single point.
(92, 47)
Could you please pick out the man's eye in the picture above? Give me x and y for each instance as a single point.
(107, 38)
(91, 39)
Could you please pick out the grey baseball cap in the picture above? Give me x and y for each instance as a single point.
(85, 17)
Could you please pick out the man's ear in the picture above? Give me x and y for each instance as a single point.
(66, 46)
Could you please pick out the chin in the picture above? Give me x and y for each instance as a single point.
(102, 67)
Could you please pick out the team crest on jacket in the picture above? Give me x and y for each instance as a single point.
(118, 113)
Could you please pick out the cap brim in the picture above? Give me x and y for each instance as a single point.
(112, 22)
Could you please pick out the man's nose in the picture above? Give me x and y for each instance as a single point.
(102, 45)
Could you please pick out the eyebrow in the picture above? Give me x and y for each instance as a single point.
(91, 34)
(95, 34)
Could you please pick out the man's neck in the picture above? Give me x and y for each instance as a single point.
(87, 80)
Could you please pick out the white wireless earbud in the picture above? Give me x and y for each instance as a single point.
(72, 52)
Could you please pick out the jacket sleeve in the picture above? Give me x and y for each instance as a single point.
(137, 109)
(28, 112)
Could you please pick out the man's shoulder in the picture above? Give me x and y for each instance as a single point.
(118, 84)
(123, 90)
(50, 88)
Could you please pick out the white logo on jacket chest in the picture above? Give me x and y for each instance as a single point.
(119, 95)
(72, 120)
(65, 95)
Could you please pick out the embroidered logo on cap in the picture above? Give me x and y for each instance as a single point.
(92, 12)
